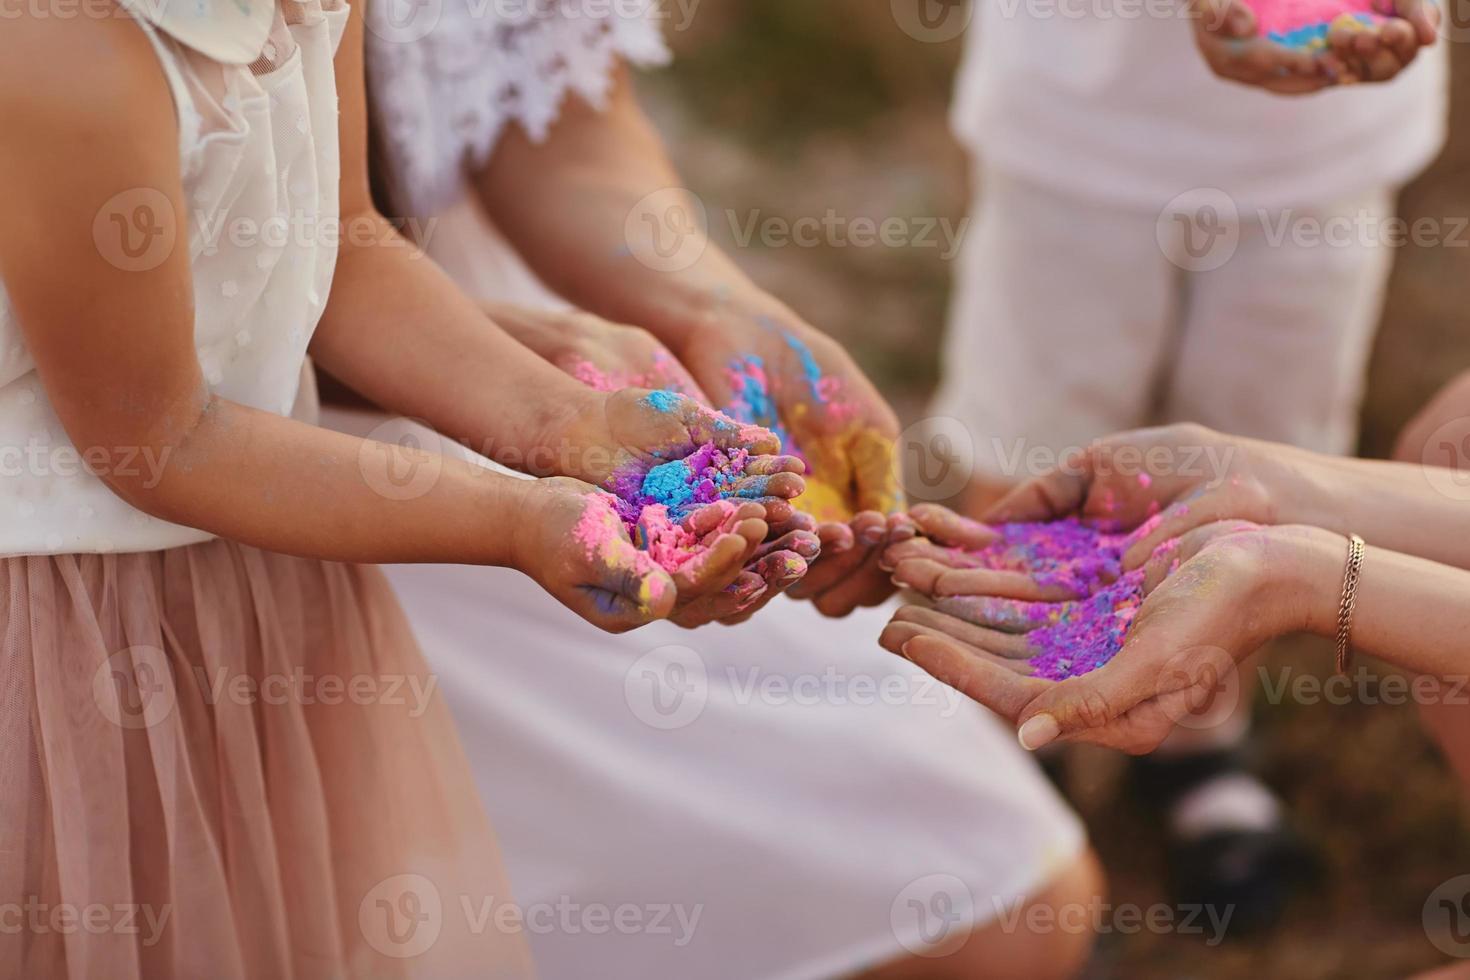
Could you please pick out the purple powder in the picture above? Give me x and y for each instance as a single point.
(1076, 636)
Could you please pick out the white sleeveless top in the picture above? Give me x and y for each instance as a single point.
(260, 165)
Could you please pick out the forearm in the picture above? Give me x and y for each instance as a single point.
(1410, 612)
(1402, 507)
(400, 333)
(284, 486)
(571, 206)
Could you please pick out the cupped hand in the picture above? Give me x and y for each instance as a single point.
(1163, 482)
(570, 539)
(1227, 35)
(1213, 598)
(639, 430)
(774, 370)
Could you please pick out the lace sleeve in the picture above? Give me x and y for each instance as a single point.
(446, 76)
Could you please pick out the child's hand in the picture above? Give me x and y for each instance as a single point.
(773, 559)
(570, 539)
(636, 431)
(601, 354)
(783, 374)
(1226, 34)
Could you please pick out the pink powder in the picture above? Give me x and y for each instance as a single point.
(1304, 23)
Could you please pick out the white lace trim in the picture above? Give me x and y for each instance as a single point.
(448, 75)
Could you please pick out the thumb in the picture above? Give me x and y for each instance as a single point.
(1152, 669)
(632, 590)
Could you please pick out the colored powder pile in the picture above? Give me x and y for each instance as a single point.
(1066, 553)
(654, 505)
(1303, 24)
(1073, 637)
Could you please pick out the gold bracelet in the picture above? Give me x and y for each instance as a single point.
(1356, 549)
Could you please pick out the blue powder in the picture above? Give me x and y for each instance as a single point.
(668, 484)
(1305, 36)
(663, 401)
(809, 366)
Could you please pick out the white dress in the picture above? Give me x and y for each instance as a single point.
(778, 800)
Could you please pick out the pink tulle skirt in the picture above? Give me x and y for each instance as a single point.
(219, 762)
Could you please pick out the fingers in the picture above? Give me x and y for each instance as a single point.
(744, 593)
(707, 425)
(867, 531)
(1013, 650)
(783, 485)
(836, 537)
(868, 585)
(803, 543)
(771, 465)
(1044, 498)
(1175, 521)
(713, 568)
(1421, 15)
(1007, 615)
(955, 530)
(939, 581)
(922, 549)
(778, 572)
(901, 527)
(997, 687)
(1157, 679)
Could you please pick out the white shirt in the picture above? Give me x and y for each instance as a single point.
(260, 167)
(1095, 98)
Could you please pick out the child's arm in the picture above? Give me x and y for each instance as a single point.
(600, 214)
(90, 132)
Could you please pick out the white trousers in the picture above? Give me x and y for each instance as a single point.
(1070, 321)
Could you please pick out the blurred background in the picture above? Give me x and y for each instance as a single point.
(788, 110)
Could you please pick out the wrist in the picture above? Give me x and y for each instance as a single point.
(511, 503)
(576, 440)
(1304, 577)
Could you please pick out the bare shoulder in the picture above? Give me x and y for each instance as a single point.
(79, 67)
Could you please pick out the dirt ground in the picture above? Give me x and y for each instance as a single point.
(789, 109)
